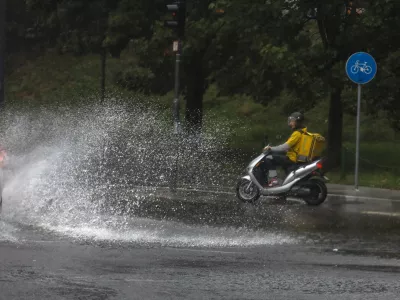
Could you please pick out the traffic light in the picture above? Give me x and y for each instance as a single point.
(349, 7)
(357, 6)
(178, 11)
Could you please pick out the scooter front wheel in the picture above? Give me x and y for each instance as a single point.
(247, 191)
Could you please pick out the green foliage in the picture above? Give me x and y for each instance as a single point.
(136, 78)
(257, 48)
(53, 79)
(151, 60)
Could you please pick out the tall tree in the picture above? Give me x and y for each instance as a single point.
(202, 28)
(2, 48)
(379, 29)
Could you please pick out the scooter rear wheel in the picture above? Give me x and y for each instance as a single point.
(247, 191)
(318, 192)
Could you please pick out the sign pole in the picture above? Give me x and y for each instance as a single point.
(361, 68)
(358, 137)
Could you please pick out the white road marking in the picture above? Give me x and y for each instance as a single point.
(205, 250)
(381, 213)
(362, 197)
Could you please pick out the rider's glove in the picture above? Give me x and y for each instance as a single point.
(266, 149)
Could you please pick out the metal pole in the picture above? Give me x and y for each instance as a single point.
(177, 85)
(358, 136)
(343, 164)
(177, 125)
(2, 48)
(103, 62)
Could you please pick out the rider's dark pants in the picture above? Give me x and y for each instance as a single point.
(273, 161)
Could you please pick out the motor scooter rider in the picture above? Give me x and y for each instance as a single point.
(284, 155)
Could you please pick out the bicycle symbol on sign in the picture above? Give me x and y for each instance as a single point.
(361, 67)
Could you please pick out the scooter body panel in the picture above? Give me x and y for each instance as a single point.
(293, 177)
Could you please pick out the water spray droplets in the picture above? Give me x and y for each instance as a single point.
(76, 170)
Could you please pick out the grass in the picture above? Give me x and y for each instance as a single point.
(378, 165)
(379, 179)
(53, 80)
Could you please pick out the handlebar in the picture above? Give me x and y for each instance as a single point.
(266, 152)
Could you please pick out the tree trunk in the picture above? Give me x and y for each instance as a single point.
(195, 88)
(103, 74)
(2, 48)
(335, 127)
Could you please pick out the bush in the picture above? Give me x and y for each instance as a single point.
(136, 78)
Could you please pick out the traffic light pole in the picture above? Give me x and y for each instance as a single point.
(178, 11)
(177, 124)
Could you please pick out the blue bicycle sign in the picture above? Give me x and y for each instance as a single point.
(361, 68)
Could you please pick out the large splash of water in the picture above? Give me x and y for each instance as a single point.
(67, 164)
(8, 232)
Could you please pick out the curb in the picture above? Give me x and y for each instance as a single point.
(363, 193)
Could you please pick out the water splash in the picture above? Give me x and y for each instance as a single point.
(165, 233)
(8, 233)
(68, 165)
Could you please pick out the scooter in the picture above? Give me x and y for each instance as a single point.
(303, 181)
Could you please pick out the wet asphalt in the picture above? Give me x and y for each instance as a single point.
(337, 250)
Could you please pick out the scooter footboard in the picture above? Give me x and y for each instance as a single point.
(246, 177)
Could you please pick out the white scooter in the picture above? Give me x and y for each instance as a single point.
(303, 181)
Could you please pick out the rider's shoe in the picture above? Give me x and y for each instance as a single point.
(273, 182)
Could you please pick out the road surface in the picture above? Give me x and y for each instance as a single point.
(202, 246)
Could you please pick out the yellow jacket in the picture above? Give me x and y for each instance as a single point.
(294, 145)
